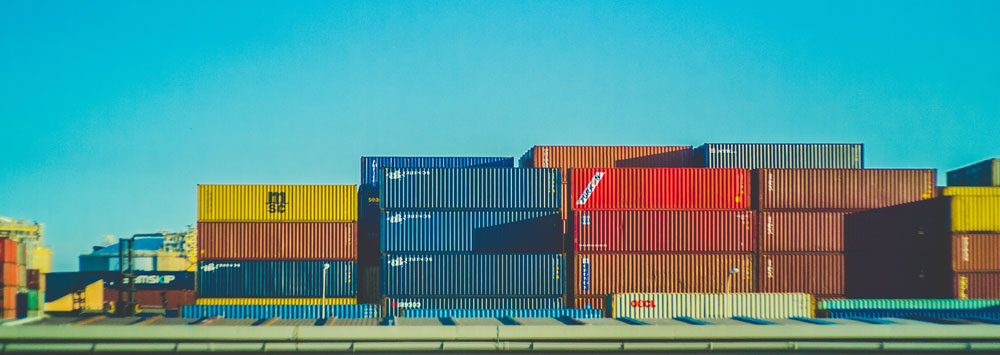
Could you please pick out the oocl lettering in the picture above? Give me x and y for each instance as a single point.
(642, 303)
(590, 188)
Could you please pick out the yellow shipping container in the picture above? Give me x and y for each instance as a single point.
(277, 203)
(41, 259)
(272, 301)
(970, 191)
(975, 213)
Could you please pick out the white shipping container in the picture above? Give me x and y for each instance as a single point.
(712, 305)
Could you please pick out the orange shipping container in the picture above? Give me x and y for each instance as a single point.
(595, 302)
(978, 285)
(841, 189)
(976, 252)
(9, 272)
(813, 273)
(9, 294)
(566, 157)
(8, 251)
(277, 241)
(602, 274)
(802, 231)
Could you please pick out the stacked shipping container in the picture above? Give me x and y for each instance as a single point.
(470, 237)
(9, 274)
(297, 242)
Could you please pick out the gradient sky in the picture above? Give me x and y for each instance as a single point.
(112, 112)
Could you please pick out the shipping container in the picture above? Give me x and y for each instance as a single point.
(368, 285)
(278, 279)
(393, 306)
(572, 157)
(975, 252)
(155, 299)
(272, 301)
(277, 241)
(277, 203)
(779, 156)
(473, 275)
(914, 313)
(841, 189)
(470, 189)
(794, 231)
(924, 226)
(280, 311)
(974, 285)
(9, 297)
(659, 189)
(10, 274)
(984, 173)
(8, 250)
(371, 166)
(970, 191)
(664, 231)
(595, 302)
(711, 305)
(33, 282)
(471, 231)
(369, 218)
(603, 274)
(501, 313)
(813, 273)
(906, 304)
(34, 300)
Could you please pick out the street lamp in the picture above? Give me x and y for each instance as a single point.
(728, 297)
(323, 292)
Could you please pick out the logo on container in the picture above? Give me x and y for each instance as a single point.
(965, 248)
(770, 269)
(154, 279)
(374, 170)
(590, 188)
(400, 260)
(214, 266)
(399, 174)
(399, 217)
(406, 305)
(585, 274)
(276, 202)
(642, 303)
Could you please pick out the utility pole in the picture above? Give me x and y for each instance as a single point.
(323, 296)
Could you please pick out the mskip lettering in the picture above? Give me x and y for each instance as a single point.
(590, 188)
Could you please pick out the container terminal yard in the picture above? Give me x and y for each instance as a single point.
(720, 248)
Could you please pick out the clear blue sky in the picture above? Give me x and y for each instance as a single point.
(112, 112)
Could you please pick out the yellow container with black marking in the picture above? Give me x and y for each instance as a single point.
(277, 203)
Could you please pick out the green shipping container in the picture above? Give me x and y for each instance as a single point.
(33, 298)
(946, 304)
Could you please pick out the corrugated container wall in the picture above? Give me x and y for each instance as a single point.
(656, 188)
(394, 305)
(790, 231)
(595, 302)
(975, 285)
(281, 311)
(887, 304)
(277, 241)
(984, 173)
(272, 301)
(664, 231)
(8, 250)
(970, 191)
(480, 189)
(571, 157)
(277, 203)
(915, 313)
(473, 275)
(603, 274)
(168, 299)
(471, 231)
(842, 189)
(813, 273)
(975, 252)
(285, 278)
(714, 305)
(500, 313)
(779, 156)
(371, 173)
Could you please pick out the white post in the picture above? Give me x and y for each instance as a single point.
(727, 311)
(323, 291)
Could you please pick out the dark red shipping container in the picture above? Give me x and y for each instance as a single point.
(788, 231)
(603, 274)
(975, 252)
(571, 157)
(664, 231)
(841, 189)
(155, 298)
(813, 273)
(33, 279)
(977, 285)
(8, 250)
(9, 272)
(277, 241)
(659, 189)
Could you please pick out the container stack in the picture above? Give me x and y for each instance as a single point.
(946, 247)
(8, 277)
(478, 238)
(267, 250)
(369, 216)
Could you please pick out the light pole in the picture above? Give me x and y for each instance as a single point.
(322, 304)
(728, 301)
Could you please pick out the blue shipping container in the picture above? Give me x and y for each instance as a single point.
(992, 313)
(281, 311)
(394, 305)
(370, 166)
(471, 231)
(779, 156)
(280, 278)
(498, 313)
(473, 275)
(470, 189)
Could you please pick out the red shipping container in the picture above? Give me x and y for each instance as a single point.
(155, 298)
(277, 241)
(659, 189)
(842, 189)
(9, 272)
(801, 231)
(977, 285)
(8, 250)
(602, 274)
(664, 231)
(566, 157)
(9, 294)
(595, 302)
(975, 252)
(813, 273)
(8, 313)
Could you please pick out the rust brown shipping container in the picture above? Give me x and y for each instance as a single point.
(277, 241)
(9, 294)
(841, 189)
(602, 274)
(172, 299)
(595, 302)
(9, 273)
(813, 273)
(664, 231)
(8, 250)
(33, 279)
(798, 231)
(977, 285)
(976, 251)
(567, 157)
